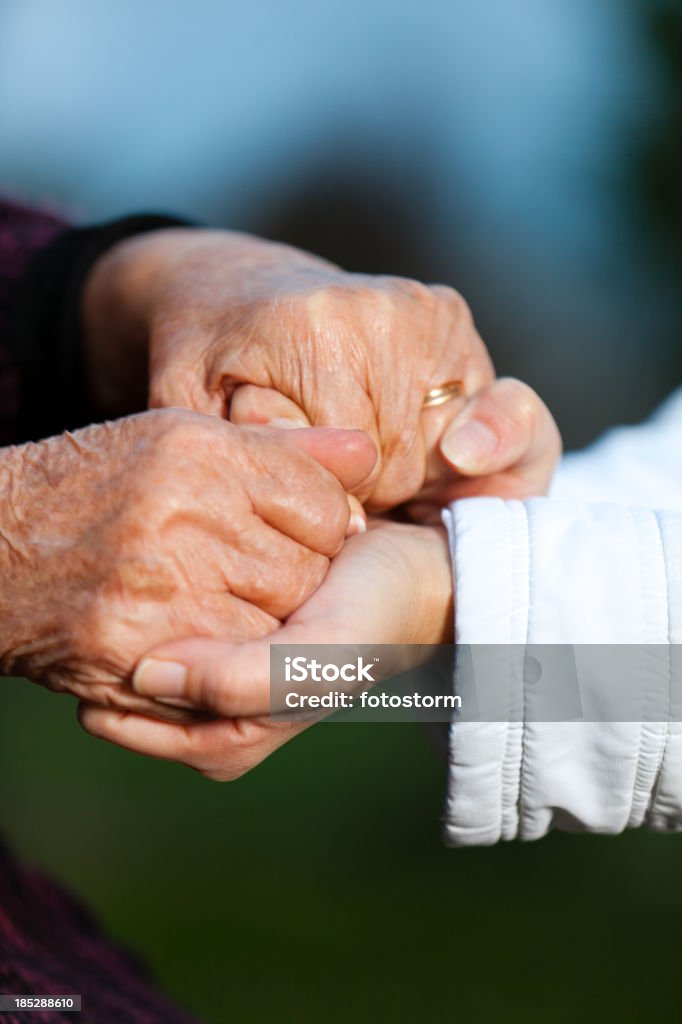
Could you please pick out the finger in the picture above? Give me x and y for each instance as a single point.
(120, 697)
(258, 559)
(404, 463)
(138, 733)
(350, 455)
(231, 680)
(346, 408)
(465, 359)
(339, 402)
(311, 508)
(464, 355)
(253, 405)
(299, 496)
(451, 348)
(434, 424)
(504, 426)
(266, 568)
(221, 750)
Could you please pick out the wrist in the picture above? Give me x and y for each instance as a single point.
(422, 611)
(437, 586)
(144, 284)
(115, 314)
(115, 311)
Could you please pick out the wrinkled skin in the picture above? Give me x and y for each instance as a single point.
(162, 525)
(255, 332)
(390, 585)
(217, 310)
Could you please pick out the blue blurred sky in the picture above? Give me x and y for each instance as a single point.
(519, 104)
(507, 122)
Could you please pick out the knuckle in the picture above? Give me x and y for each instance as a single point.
(454, 301)
(299, 309)
(517, 398)
(159, 433)
(414, 290)
(371, 300)
(518, 409)
(508, 401)
(322, 304)
(181, 430)
(180, 439)
(454, 340)
(531, 414)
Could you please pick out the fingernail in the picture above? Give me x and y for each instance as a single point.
(156, 678)
(357, 524)
(469, 445)
(286, 423)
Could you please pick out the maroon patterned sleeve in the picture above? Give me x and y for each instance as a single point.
(48, 942)
(23, 232)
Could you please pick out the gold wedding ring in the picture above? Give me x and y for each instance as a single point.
(438, 396)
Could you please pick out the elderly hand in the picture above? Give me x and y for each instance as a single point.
(163, 525)
(390, 585)
(217, 310)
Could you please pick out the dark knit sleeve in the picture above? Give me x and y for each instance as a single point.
(50, 944)
(46, 326)
(23, 234)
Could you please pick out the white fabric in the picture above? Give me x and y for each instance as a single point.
(598, 562)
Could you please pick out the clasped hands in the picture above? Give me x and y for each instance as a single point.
(154, 558)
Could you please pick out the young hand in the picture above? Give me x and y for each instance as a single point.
(391, 585)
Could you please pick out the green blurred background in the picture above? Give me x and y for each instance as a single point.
(317, 888)
(528, 153)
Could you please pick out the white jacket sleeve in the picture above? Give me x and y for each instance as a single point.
(590, 565)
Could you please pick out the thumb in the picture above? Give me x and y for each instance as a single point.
(230, 679)
(504, 426)
(349, 454)
(252, 405)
